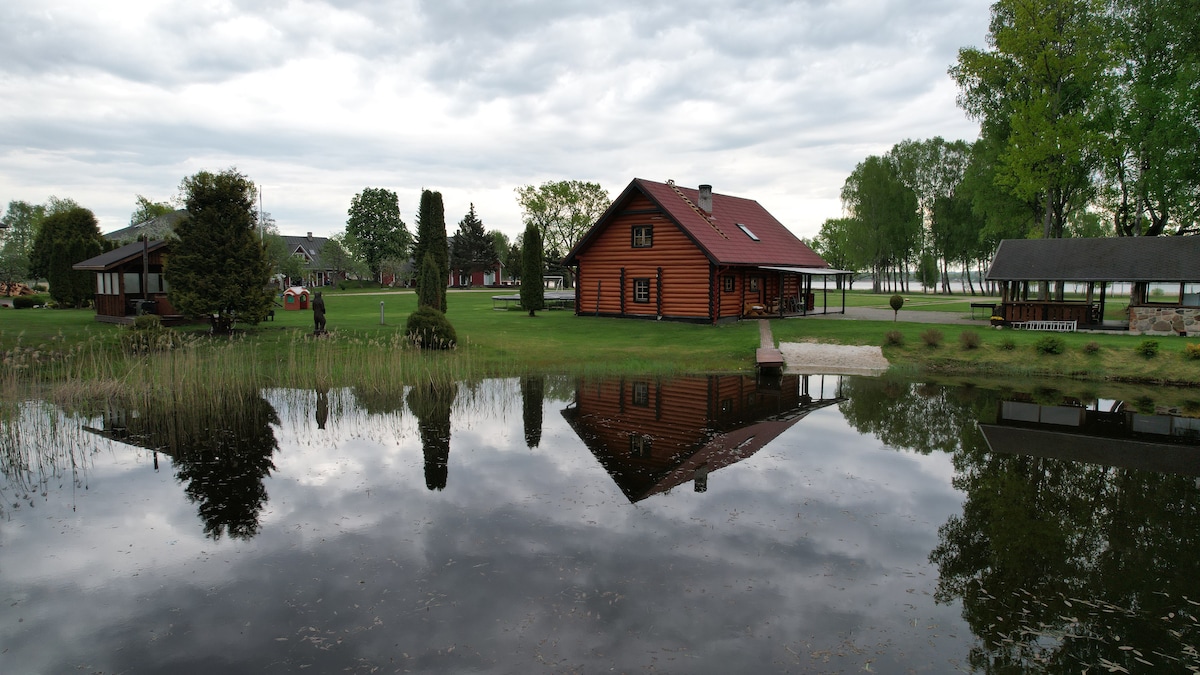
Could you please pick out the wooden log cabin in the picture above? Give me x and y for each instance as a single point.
(1159, 278)
(662, 251)
(129, 281)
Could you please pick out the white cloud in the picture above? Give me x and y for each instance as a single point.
(776, 101)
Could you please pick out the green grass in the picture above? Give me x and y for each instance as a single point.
(68, 345)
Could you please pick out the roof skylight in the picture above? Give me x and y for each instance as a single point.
(745, 229)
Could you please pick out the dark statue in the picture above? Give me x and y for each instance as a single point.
(318, 305)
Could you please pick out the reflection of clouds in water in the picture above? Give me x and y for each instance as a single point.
(525, 556)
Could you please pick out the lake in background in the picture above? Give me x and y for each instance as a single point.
(704, 524)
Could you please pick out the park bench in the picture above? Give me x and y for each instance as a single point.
(989, 307)
(1058, 326)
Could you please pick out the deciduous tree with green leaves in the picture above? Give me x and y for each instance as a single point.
(1044, 72)
(219, 268)
(374, 230)
(885, 226)
(563, 211)
(147, 210)
(20, 227)
(1150, 119)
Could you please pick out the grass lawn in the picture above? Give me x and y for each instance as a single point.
(496, 342)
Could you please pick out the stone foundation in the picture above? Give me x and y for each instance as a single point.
(1165, 320)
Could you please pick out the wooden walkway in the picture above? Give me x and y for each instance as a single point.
(767, 356)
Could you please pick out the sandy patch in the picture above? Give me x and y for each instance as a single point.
(814, 358)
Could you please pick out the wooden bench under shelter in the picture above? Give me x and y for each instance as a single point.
(1059, 326)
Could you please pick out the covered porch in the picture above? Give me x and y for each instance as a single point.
(798, 291)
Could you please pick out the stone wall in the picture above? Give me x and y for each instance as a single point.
(1165, 320)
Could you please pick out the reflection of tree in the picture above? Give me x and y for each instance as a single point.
(431, 403)
(1061, 565)
(222, 452)
(533, 392)
(919, 417)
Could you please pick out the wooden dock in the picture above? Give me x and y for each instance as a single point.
(767, 356)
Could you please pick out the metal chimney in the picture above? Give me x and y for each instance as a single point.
(705, 202)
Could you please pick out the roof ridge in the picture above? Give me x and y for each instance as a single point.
(707, 218)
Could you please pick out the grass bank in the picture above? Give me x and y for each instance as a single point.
(69, 346)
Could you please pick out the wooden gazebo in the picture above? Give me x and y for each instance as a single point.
(1163, 274)
(129, 281)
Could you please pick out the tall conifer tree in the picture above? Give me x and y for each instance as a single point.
(533, 292)
(431, 240)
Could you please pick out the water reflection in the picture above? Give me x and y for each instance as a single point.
(873, 525)
(220, 450)
(1110, 433)
(322, 414)
(431, 403)
(533, 394)
(654, 435)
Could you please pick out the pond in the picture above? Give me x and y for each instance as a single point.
(696, 524)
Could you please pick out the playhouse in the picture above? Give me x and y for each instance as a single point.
(295, 298)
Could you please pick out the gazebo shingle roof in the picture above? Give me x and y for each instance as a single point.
(1107, 259)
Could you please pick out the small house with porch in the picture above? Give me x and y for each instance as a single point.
(1161, 275)
(129, 282)
(662, 251)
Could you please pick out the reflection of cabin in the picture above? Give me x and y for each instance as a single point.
(129, 282)
(652, 436)
(1164, 273)
(1116, 437)
(662, 251)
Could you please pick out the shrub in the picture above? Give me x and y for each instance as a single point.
(1050, 345)
(896, 302)
(24, 302)
(1008, 344)
(968, 339)
(1148, 348)
(932, 337)
(1192, 351)
(1091, 347)
(428, 328)
(894, 338)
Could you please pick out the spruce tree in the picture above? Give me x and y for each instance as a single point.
(474, 249)
(219, 268)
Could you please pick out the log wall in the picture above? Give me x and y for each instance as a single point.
(677, 271)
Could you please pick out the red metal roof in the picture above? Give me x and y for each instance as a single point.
(719, 236)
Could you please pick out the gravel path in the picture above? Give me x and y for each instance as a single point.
(811, 358)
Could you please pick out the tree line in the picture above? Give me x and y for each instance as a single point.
(375, 244)
(1089, 126)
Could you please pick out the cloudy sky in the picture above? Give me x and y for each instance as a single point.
(315, 100)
